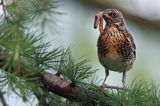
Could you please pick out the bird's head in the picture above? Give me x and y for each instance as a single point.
(112, 16)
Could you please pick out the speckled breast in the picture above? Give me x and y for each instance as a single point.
(114, 51)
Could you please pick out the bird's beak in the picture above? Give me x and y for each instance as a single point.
(106, 17)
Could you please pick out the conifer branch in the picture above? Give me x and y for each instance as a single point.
(64, 88)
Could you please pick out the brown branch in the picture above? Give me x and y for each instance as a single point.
(2, 98)
(64, 88)
(3, 7)
(103, 4)
(59, 86)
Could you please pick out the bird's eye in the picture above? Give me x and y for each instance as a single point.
(114, 14)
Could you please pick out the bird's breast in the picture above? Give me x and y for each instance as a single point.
(109, 42)
(108, 50)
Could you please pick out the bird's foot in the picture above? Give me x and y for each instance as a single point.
(102, 87)
(105, 86)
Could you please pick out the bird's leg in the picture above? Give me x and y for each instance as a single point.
(124, 79)
(107, 73)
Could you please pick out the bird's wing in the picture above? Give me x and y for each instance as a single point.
(131, 40)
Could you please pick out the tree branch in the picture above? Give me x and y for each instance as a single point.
(59, 86)
(3, 7)
(2, 99)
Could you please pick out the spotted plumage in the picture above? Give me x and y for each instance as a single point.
(116, 47)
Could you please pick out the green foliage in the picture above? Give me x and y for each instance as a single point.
(29, 59)
(137, 94)
(43, 13)
(23, 54)
(75, 70)
(44, 59)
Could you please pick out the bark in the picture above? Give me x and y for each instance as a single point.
(59, 86)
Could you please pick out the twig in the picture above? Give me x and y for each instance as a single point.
(112, 87)
(3, 99)
(1, 3)
(3, 6)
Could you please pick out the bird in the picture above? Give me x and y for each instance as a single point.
(115, 45)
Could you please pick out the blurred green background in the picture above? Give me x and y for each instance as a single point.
(143, 21)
